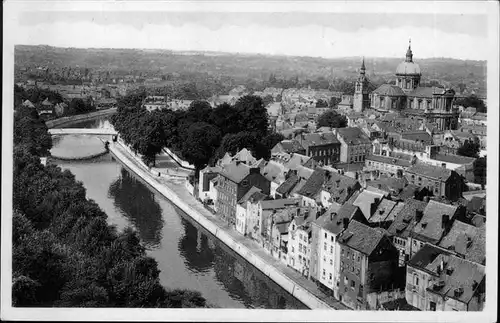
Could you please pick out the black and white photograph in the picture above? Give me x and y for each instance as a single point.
(250, 161)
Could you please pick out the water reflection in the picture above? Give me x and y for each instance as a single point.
(239, 278)
(138, 204)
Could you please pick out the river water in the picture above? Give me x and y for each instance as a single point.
(188, 256)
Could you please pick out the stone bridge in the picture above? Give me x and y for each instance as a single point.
(83, 131)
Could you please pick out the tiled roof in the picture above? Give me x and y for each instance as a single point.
(389, 90)
(365, 200)
(435, 172)
(245, 155)
(248, 194)
(288, 185)
(466, 240)
(353, 136)
(476, 203)
(417, 136)
(389, 160)
(296, 160)
(405, 220)
(236, 172)
(431, 228)
(389, 184)
(395, 211)
(361, 237)
(458, 273)
(298, 187)
(334, 221)
(382, 212)
(318, 139)
(291, 146)
(337, 185)
(426, 256)
(314, 184)
(455, 159)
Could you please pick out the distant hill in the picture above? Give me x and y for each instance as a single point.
(243, 66)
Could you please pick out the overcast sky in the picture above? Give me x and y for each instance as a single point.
(325, 34)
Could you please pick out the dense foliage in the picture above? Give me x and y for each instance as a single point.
(332, 119)
(480, 171)
(64, 252)
(472, 101)
(200, 135)
(469, 148)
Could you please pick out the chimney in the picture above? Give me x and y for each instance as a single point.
(346, 222)
(418, 215)
(445, 220)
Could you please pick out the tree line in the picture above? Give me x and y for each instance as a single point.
(201, 134)
(64, 252)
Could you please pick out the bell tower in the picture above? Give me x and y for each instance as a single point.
(361, 100)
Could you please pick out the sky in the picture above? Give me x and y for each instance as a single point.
(318, 34)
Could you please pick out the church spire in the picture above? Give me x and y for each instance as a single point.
(409, 53)
(363, 68)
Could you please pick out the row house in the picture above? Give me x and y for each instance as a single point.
(299, 243)
(234, 181)
(280, 223)
(241, 210)
(322, 147)
(439, 281)
(252, 215)
(324, 188)
(275, 173)
(205, 176)
(367, 200)
(441, 181)
(354, 145)
(368, 264)
(266, 211)
(324, 258)
(405, 220)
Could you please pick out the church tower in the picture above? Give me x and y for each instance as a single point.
(361, 100)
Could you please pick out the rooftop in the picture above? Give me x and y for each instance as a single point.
(279, 204)
(334, 221)
(455, 159)
(317, 139)
(288, 184)
(382, 212)
(435, 172)
(353, 135)
(248, 194)
(361, 237)
(389, 160)
(432, 227)
(389, 90)
(291, 146)
(404, 220)
(467, 241)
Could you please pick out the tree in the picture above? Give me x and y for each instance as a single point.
(252, 115)
(232, 143)
(480, 171)
(267, 100)
(321, 104)
(225, 117)
(472, 101)
(332, 119)
(469, 149)
(334, 101)
(31, 132)
(201, 142)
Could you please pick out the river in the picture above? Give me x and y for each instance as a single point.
(188, 256)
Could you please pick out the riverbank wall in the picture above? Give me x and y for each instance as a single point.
(303, 295)
(79, 117)
(182, 163)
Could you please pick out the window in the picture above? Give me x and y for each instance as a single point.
(325, 235)
(415, 279)
(432, 306)
(324, 245)
(331, 249)
(324, 272)
(360, 289)
(331, 261)
(346, 281)
(331, 238)
(293, 249)
(342, 251)
(357, 271)
(353, 284)
(330, 276)
(359, 258)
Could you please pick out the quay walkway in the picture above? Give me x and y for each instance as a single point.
(293, 282)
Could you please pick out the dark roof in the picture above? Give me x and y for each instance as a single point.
(236, 172)
(288, 184)
(405, 219)
(318, 139)
(257, 196)
(382, 212)
(466, 240)
(334, 221)
(417, 136)
(476, 203)
(389, 90)
(291, 146)
(273, 171)
(431, 227)
(353, 135)
(339, 186)
(435, 172)
(279, 204)
(248, 194)
(361, 237)
(389, 184)
(425, 256)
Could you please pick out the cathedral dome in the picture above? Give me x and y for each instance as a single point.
(408, 68)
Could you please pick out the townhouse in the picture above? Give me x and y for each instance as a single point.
(241, 210)
(440, 181)
(288, 147)
(354, 145)
(322, 147)
(439, 281)
(235, 180)
(368, 264)
(466, 241)
(299, 242)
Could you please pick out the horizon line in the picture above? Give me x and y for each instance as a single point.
(246, 53)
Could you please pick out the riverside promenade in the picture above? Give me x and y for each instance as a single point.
(174, 189)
